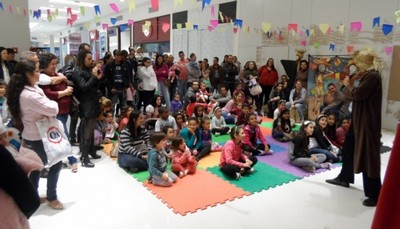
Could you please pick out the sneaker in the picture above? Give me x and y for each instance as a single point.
(238, 176)
(250, 171)
(326, 165)
(308, 169)
(217, 133)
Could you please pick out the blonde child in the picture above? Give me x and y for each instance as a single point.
(159, 175)
(183, 162)
(218, 123)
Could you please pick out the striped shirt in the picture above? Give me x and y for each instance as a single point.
(137, 146)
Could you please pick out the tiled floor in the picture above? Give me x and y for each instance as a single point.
(107, 197)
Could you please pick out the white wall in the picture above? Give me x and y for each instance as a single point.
(19, 35)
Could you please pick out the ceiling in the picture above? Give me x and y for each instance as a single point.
(41, 28)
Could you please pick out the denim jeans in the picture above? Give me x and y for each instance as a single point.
(63, 119)
(329, 155)
(300, 108)
(54, 171)
(229, 119)
(164, 91)
(131, 162)
(182, 89)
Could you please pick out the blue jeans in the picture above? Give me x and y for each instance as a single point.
(300, 108)
(54, 171)
(182, 89)
(329, 155)
(131, 162)
(63, 119)
(164, 91)
(229, 119)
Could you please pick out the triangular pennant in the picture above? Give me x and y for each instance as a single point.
(82, 10)
(386, 29)
(165, 27)
(97, 9)
(324, 28)
(132, 5)
(189, 25)
(292, 27)
(266, 27)
(179, 25)
(114, 7)
(238, 22)
(69, 11)
(208, 2)
(105, 26)
(196, 27)
(123, 27)
(154, 5)
(10, 8)
(1, 6)
(113, 20)
(341, 29)
(332, 47)
(350, 48)
(178, 2)
(131, 22)
(87, 25)
(388, 50)
(210, 28)
(376, 22)
(97, 19)
(18, 9)
(214, 23)
(356, 26)
(212, 11)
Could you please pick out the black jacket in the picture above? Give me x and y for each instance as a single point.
(109, 73)
(86, 91)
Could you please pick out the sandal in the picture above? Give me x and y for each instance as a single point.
(74, 167)
(55, 204)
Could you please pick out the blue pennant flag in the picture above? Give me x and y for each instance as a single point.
(208, 2)
(123, 27)
(386, 29)
(238, 22)
(376, 22)
(97, 9)
(113, 20)
(1, 6)
(332, 47)
(307, 32)
(196, 27)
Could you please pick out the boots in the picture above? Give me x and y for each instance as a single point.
(85, 157)
(92, 152)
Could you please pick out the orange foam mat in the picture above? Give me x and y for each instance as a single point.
(266, 131)
(210, 160)
(196, 192)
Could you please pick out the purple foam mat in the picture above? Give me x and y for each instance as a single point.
(280, 161)
(272, 140)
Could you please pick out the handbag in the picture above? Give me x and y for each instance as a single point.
(56, 144)
(254, 87)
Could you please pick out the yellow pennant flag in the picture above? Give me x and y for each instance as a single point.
(316, 45)
(266, 27)
(178, 2)
(97, 19)
(189, 25)
(49, 18)
(56, 13)
(312, 32)
(178, 25)
(147, 23)
(397, 14)
(221, 16)
(87, 25)
(324, 28)
(341, 29)
(83, 10)
(132, 5)
(18, 10)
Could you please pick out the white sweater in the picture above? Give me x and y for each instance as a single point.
(148, 77)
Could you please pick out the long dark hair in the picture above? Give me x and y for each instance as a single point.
(156, 62)
(302, 133)
(45, 59)
(16, 85)
(80, 60)
(133, 117)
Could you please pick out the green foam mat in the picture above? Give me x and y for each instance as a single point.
(267, 124)
(264, 177)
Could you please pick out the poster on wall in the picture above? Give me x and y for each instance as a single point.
(324, 70)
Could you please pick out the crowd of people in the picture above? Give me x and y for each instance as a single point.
(157, 111)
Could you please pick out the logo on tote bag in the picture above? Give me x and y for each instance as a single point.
(54, 135)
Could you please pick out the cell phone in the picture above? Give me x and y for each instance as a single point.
(99, 71)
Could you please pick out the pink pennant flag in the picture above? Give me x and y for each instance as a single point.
(154, 5)
(25, 12)
(114, 7)
(10, 8)
(131, 22)
(105, 26)
(212, 11)
(300, 33)
(235, 29)
(388, 50)
(74, 17)
(329, 30)
(303, 43)
(165, 27)
(214, 23)
(210, 28)
(69, 22)
(357, 25)
(48, 12)
(293, 27)
(350, 48)
(69, 11)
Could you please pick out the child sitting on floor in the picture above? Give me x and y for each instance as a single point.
(233, 162)
(203, 95)
(193, 140)
(241, 118)
(110, 128)
(159, 175)
(183, 162)
(169, 135)
(253, 134)
(342, 131)
(176, 104)
(206, 136)
(282, 129)
(180, 121)
(191, 106)
(218, 123)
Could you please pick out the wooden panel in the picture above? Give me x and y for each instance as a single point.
(394, 80)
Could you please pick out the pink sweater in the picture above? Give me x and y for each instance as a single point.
(248, 135)
(231, 154)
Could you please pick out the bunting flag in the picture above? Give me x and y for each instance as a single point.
(266, 27)
(397, 14)
(179, 25)
(1, 6)
(69, 22)
(131, 22)
(332, 47)
(312, 32)
(189, 25)
(307, 32)
(154, 5)
(97, 9)
(49, 16)
(87, 25)
(178, 2)
(208, 2)
(210, 28)
(37, 14)
(165, 27)
(114, 7)
(221, 16)
(350, 49)
(82, 10)
(316, 45)
(105, 26)
(113, 20)
(25, 12)
(303, 43)
(69, 11)
(376, 22)
(18, 10)
(356, 26)
(74, 17)
(56, 12)
(123, 27)
(214, 23)
(212, 11)
(386, 29)
(196, 27)
(10, 8)
(97, 19)
(238, 22)
(292, 27)
(324, 28)
(235, 29)
(388, 50)
(132, 5)
(341, 29)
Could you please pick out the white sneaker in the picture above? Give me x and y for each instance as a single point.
(308, 169)
(238, 176)
(326, 165)
(249, 171)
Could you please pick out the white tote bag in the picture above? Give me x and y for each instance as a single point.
(54, 140)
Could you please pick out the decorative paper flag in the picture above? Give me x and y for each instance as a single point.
(357, 25)
(300, 33)
(248, 29)
(97, 9)
(329, 30)
(332, 47)
(303, 43)
(147, 23)
(221, 17)
(69, 11)
(132, 5)
(312, 32)
(165, 27)
(114, 7)
(388, 50)
(196, 27)
(266, 27)
(25, 13)
(123, 27)
(210, 28)
(350, 48)
(292, 27)
(18, 10)
(178, 2)
(397, 14)
(214, 23)
(307, 32)
(179, 25)
(189, 25)
(82, 10)
(97, 19)
(87, 25)
(212, 11)
(386, 29)
(48, 12)
(131, 22)
(235, 30)
(324, 28)
(238, 22)
(154, 5)
(105, 26)
(113, 20)
(376, 22)
(208, 2)
(1, 6)
(341, 29)
(69, 22)
(10, 8)
(316, 45)
(36, 14)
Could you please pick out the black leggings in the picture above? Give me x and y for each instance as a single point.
(256, 149)
(231, 170)
(203, 151)
(220, 131)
